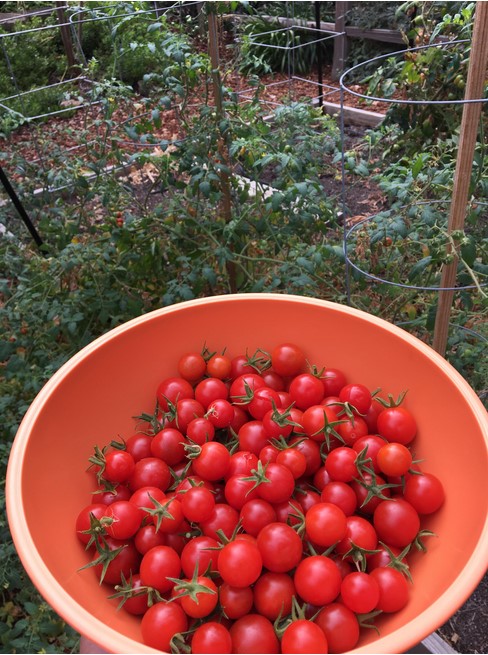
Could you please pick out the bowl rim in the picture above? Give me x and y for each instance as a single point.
(89, 626)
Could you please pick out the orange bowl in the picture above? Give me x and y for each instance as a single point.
(94, 396)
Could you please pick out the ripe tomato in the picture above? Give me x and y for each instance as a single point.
(311, 450)
(278, 485)
(239, 489)
(219, 366)
(97, 510)
(325, 524)
(319, 423)
(317, 580)
(273, 594)
(125, 561)
(360, 592)
(294, 460)
(224, 517)
(303, 636)
(340, 494)
(254, 634)
(197, 504)
(280, 546)
(396, 522)
(360, 534)
(213, 461)
(240, 563)
(169, 445)
(158, 565)
(186, 410)
(424, 492)
(161, 623)
(357, 396)
(252, 437)
(138, 603)
(340, 625)
(306, 390)
(202, 601)
(199, 554)
(287, 359)
(211, 637)
(341, 464)
(235, 601)
(220, 413)
(210, 389)
(397, 424)
(351, 429)
(139, 446)
(150, 472)
(200, 430)
(394, 459)
(119, 465)
(241, 461)
(172, 389)
(370, 444)
(147, 537)
(126, 519)
(370, 492)
(333, 380)
(192, 366)
(255, 514)
(243, 387)
(264, 400)
(393, 587)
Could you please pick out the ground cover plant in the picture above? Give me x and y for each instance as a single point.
(179, 185)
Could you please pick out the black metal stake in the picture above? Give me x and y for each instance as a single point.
(318, 49)
(20, 207)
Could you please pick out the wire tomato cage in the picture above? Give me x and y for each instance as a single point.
(404, 232)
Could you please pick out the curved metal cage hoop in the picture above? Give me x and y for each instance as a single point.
(402, 101)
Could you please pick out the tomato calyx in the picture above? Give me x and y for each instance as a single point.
(190, 587)
(367, 620)
(260, 361)
(391, 402)
(258, 476)
(418, 541)
(154, 420)
(160, 510)
(97, 529)
(373, 489)
(298, 613)
(398, 562)
(126, 590)
(106, 555)
(328, 431)
(358, 554)
(246, 397)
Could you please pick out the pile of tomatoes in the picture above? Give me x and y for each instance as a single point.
(265, 506)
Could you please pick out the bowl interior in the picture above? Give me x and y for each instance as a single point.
(95, 396)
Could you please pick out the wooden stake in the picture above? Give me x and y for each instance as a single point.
(464, 164)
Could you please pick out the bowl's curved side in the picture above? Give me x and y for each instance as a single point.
(95, 394)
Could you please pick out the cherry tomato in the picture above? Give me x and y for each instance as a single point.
(192, 366)
(150, 472)
(294, 460)
(169, 445)
(126, 519)
(333, 380)
(317, 580)
(213, 461)
(158, 565)
(255, 514)
(160, 624)
(203, 601)
(211, 637)
(263, 400)
(393, 587)
(340, 494)
(280, 546)
(396, 522)
(172, 389)
(197, 504)
(303, 636)
(97, 510)
(340, 625)
(139, 446)
(325, 524)
(358, 396)
(220, 413)
(119, 465)
(341, 464)
(287, 359)
(424, 492)
(235, 601)
(306, 390)
(254, 633)
(224, 518)
(273, 594)
(219, 366)
(394, 459)
(240, 563)
(199, 554)
(360, 592)
(397, 424)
